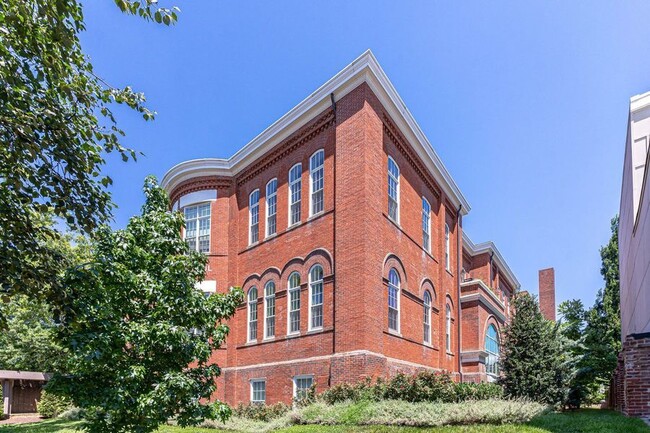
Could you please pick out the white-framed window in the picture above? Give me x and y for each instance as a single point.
(271, 207)
(447, 248)
(294, 303)
(254, 217)
(426, 225)
(295, 191)
(302, 385)
(197, 227)
(317, 181)
(448, 328)
(492, 349)
(252, 314)
(316, 297)
(393, 190)
(427, 317)
(393, 300)
(258, 391)
(269, 310)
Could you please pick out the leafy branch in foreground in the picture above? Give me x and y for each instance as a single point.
(140, 334)
(56, 126)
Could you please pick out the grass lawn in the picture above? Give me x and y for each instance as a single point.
(584, 421)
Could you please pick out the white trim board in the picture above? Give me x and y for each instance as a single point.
(363, 69)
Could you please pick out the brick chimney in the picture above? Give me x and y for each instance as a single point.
(547, 293)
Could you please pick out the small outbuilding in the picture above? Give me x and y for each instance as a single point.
(21, 390)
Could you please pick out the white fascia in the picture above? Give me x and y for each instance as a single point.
(490, 247)
(363, 69)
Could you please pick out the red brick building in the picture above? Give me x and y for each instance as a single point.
(344, 229)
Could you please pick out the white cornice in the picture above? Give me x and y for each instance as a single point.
(490, 247)
(485, 288)
(483, 300)
(639, 102)
(364, 69)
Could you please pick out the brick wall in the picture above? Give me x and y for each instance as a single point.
(356, 244)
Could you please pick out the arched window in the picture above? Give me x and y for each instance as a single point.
(393, 190)
(254, 216)
(427, 317)
(492, 349)
(269, 310)
(271, 206)
(426, 225)
(393, 300)
(448, 328)
(252, 314)
(295, 189)
(316, 184)
(316, 297)
(294, 303)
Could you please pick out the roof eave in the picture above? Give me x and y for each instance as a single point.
(363, 69)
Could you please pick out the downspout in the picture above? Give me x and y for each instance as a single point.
(329, 378)
(459, 255)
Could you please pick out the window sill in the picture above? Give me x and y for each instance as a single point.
(419, 343)
(449, 353)
(449, 272)
(287, 230)
(315, 330)
(278, 339)
(314, 216)
(399, 227)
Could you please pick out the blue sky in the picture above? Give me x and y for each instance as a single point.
(525, 102)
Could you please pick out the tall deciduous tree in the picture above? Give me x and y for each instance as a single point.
(535, 361)
(56, 126)
(140, 333)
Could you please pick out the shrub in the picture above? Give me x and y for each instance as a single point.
(421, 387)
(420, 414)
(51, 405)
(72, 414)
(306, 398)
(261, 412)
(478, 391)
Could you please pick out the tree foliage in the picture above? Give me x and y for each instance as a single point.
(536, 363)
(28, 342)
(140, 334)
(28, 338)
(56, 126)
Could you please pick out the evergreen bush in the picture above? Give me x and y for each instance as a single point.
(52, 405)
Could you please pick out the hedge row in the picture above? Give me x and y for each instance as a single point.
(422, 387)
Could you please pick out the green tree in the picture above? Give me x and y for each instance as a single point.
(140, 334)
(536, 363)
(602, 333)
(56, 126)
(572, 326)
(28, 342)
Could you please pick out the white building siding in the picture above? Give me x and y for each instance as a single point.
(634, 236)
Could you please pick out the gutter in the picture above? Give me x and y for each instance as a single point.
(459, 255)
